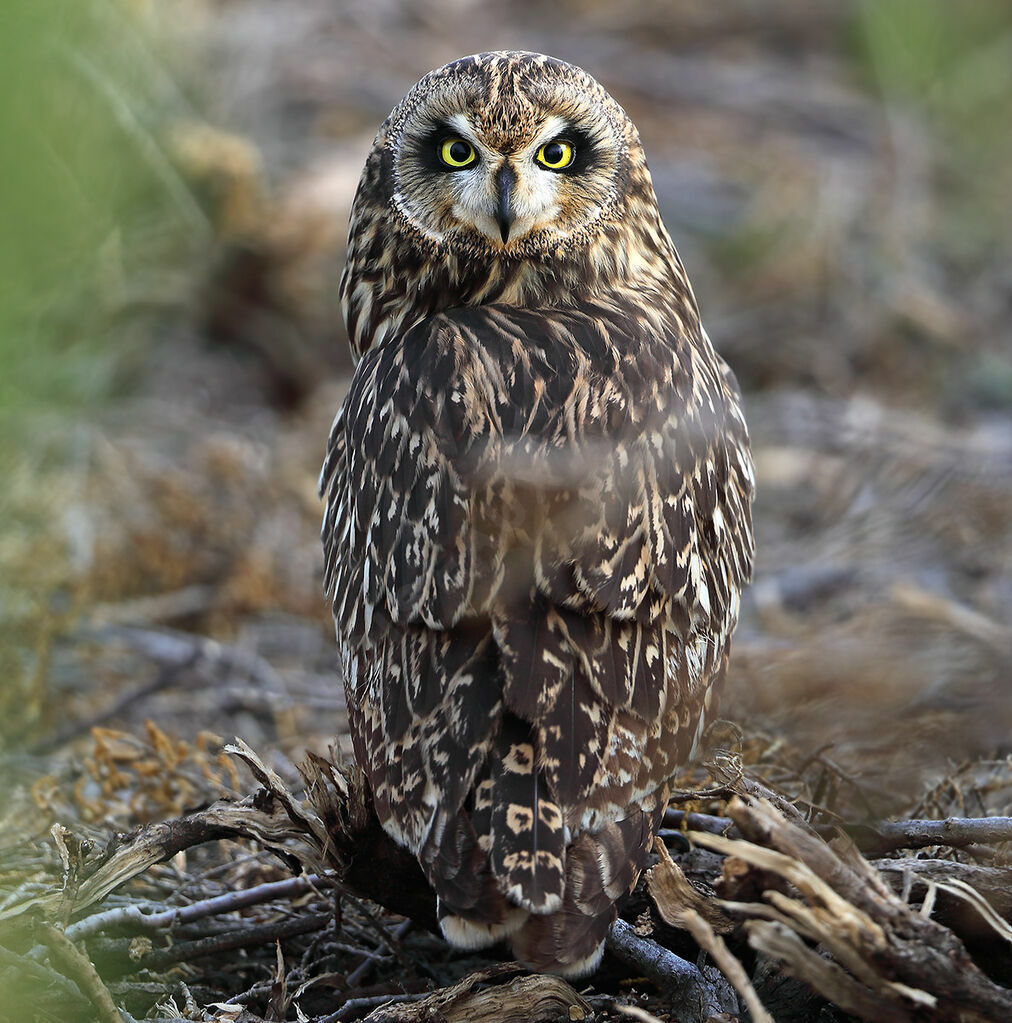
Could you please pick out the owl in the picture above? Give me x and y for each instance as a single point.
(538, 502)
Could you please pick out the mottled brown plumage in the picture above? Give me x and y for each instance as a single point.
(538, 502)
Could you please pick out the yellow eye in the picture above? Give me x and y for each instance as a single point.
(457, 153)
(556, 155)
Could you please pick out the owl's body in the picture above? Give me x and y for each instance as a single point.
(538, 502)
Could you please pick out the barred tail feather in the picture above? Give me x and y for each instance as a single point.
(527, 841)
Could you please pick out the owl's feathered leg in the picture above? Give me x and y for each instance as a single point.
(463, 933)
(472, 910)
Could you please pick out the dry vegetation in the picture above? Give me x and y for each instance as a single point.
(833, 174)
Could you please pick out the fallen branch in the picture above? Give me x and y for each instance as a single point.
(240, 937)
(697, 821)
(780, 942)
(693, 997)
(910, 879)
(956, 832)
(132, 855)
(136, 918)
(353, 1006)
(527, 999)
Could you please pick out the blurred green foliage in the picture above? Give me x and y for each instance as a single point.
(94, 219)
(952, 64)
(87, 193)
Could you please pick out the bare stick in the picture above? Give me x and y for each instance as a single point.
(227, 903)
(823, 975)
(913, 876)
(696, 997)
(958, 832)
(243, 937)
(353, 1006)
(697, 821)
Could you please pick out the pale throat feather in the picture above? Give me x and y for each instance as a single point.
(384, 299)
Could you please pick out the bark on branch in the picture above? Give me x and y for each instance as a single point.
(957, 832)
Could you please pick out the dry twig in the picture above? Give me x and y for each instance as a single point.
(895, 956)
(680, 905)
(80, 969)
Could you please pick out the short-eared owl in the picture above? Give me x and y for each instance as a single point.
(538, 492)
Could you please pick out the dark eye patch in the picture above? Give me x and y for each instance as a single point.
(585, 150)
(587, 154)
(430, 142)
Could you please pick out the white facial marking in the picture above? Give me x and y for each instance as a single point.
(462, 125)
(555, 127)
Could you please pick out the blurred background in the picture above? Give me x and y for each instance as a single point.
(175, 182)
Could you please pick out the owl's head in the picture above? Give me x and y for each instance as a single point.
(508, 154)
(504, 177)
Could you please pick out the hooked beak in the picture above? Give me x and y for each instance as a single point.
(505, 179)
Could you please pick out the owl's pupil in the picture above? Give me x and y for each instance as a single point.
(554, 153)
(459, 151)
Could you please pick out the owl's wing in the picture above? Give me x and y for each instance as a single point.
(529, 515)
